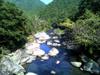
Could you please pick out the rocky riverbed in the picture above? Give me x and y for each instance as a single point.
(46, 56)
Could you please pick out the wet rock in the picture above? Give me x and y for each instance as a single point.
(49, 43)
(38, 52)
(57, 41)
(42, 37)
(76, 64)
(53, 52)
(7, 65)
(58, 62)
(90, 65)
(29, 73)
(53, 72)
(45, 57)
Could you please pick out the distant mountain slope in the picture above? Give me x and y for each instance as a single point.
(30, 6)
(60, 9)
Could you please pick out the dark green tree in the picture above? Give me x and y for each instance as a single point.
(92, 5)
(14, 26)
(58, 10)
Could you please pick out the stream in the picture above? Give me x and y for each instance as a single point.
(46, 67)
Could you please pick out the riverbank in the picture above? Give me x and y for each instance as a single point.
(47, 55)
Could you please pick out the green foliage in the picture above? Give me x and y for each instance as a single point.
(87, 33)
(3, 51)
(91, 5)
(67, 23)
(40, 25)
(58, 10)
(30, 7)
(87, 25)
(14, 27)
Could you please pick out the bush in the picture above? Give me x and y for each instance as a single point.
(14, 27)
(40, 25)
(87, 33)
(3, 51)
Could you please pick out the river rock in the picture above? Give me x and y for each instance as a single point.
(76, 64)
(90, 65)
(57, 41)
(49, 43)
(45, 57)
(29, 73)
(11, 67)
(53, 52)
(38, 52)
(42, 37)
(53, 72)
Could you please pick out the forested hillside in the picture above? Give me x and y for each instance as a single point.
(60, 9)
(31, 7)
(61, 38)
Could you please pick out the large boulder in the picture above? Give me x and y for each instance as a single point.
(90, 65)
(8, 66)
(76, 64)
(41, 37)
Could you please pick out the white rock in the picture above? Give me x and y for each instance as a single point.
(57, 62)
(55, 37)
(58, 45)
(55, 44)
(42, 36)
(40, 41)
(31, 47)
(29, 73)
(76, 64)
(24, 60)
(45, 57)
(38, 52)
(49, 43)
(29, 51)
(53, 72)
(53, 52)
(31, 58)
(57, 41)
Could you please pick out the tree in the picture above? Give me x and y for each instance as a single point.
(87, 34)
(84, 5)
(58, 10)
(14, 27)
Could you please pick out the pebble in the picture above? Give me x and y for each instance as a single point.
(76, 64)
(53, 72)
(57, 62)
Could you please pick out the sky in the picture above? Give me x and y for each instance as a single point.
(46, 1)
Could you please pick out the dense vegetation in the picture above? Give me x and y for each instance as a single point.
(81, 16)
(30, 7)
(81, 19)
(77, 23)
(58, 10)
(88, 25)
(14, 27)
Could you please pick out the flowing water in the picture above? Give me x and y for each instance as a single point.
(46, 67)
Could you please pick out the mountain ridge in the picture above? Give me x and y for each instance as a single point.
(30, 7)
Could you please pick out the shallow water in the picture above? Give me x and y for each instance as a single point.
(63, 68)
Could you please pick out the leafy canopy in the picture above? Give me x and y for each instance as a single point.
(14, 26)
